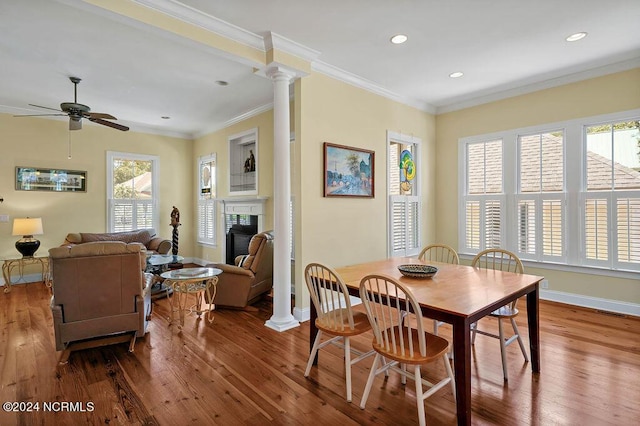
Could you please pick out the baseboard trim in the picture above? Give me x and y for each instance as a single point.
(302, 314)
(609, 305)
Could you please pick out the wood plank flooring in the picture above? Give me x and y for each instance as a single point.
(238, 372)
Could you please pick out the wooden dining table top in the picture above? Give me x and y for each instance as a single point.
(457, 289)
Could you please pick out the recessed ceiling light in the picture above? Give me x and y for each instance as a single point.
(456, 74)
(165, 117)
(399, 39)
(222, 83)
(576, 36)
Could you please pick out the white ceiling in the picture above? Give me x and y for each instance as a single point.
(139, 73)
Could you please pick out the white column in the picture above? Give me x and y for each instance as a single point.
(282, 319)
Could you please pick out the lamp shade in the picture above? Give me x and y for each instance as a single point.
(27, 226)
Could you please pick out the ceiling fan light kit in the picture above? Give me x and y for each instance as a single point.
(76, 112)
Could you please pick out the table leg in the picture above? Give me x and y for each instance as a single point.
(7, 277)
(533, 318)
(313, 330)
(462, 369)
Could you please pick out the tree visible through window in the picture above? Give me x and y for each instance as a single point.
(131, 191)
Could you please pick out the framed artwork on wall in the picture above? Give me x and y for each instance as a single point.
(348, 171)
(56, 180)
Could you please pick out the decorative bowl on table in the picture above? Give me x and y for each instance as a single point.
(415, 270)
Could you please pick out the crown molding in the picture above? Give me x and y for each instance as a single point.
(244, 116)
(546, 84)
(196, 17)
(355, 80)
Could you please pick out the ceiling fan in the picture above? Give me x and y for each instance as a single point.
(77, 112)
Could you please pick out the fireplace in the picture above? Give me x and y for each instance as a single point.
(243, 218)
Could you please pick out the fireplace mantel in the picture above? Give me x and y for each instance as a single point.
(246, 205)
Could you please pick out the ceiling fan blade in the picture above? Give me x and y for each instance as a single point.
(99, 115)
(41, 115)
(109, 124)
(40, 106)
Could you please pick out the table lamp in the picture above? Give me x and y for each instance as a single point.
(27, 227)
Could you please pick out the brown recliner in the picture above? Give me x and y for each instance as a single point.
(251, 277)
(99, 289)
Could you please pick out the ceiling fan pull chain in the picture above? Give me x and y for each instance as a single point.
(69, 154)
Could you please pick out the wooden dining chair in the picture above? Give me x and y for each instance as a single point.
(502, 260)
(336, 318)
(439, 253)
(399, 337)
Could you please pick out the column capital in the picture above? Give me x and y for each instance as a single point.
(278, 73)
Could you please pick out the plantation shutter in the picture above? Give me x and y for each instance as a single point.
(405, 236)
(206, 221)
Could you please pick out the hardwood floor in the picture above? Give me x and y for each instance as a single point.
(237, 371)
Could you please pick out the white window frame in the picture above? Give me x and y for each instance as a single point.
(408, 201)
(155, 173)
(540, 197)
(209, 204)
(573, 197)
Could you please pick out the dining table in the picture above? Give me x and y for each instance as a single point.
(459, 295)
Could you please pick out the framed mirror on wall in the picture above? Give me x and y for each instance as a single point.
(243, 163)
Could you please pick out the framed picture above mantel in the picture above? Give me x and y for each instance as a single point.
(45, 179)
(348, 171)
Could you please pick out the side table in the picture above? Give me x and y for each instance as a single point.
(157, 264)
(199, 281)
(10, 264)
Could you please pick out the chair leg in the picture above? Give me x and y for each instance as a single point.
(474, 328)
(419, 396)
(520, 342)
(372, 375)
(314, 351)
(403, 379)
(347, 365)
(503, 351)
(447, 367)
(435, 327)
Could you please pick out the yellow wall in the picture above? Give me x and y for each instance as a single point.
(342, 231)
(43, 143)
(218, 143)
(607, 94)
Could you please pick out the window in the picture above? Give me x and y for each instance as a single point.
(404, 201)
(207, 200)
(566, 193)
(611, 206)
(541, 198)
(132, 191)
(484, 201)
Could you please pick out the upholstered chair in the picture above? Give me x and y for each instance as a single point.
(99, 289)
(244, 283)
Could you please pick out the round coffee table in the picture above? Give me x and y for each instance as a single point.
(199, 281)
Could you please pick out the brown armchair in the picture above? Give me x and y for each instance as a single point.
(242, 284)
(99, 290)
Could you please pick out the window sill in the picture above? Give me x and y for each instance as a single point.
(206, 244)
(591, 270)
